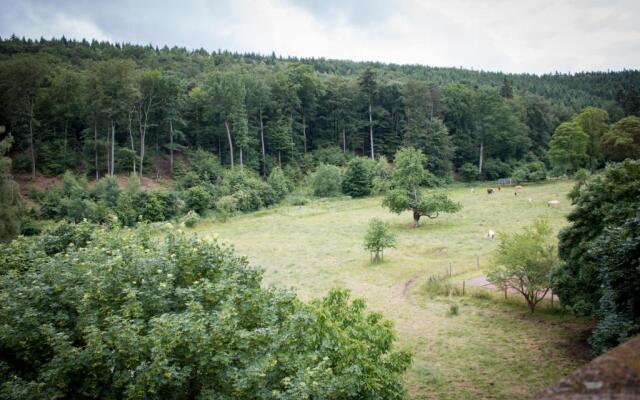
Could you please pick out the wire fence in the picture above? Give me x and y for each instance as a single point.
(441, 283)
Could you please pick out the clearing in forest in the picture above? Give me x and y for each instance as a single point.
(491, 349)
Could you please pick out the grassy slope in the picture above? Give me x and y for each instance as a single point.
(490, 350)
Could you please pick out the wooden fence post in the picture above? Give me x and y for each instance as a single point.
(551, 299)
(463, 287)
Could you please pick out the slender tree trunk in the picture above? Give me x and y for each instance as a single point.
(143, 133)
(31, 149)
(171, 146)
(95, 144)
(481, 157)
(108, 150)
(279, 159)
(226, 125)
(113, 147)
(264, 157)
(304, 133)
(416, 219)
(133, 150)
(371, 130)
(241, 162)
(344, 140)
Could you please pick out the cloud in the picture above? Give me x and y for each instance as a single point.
(512, 36)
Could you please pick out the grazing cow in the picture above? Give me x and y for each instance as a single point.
(518, 190)
(499, 188)
(491, 234)
(553, 203)
(529, 200)
(473, 190)
(490, 190)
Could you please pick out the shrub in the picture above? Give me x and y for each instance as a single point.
(530, 172)
(495, 169)
(227, 206)
(330, 155)
(125, 209)
(191, 219)
(469, 172)
(454, 310)
(197, 199)
(106, 191)
(327, 181)
(357, 178)
(127, 316)
(149, 206)
(279, 183)
(298, 200)
(378, 238)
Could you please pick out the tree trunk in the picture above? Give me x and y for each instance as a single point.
(304, 133)
(95, 143)
(416, 219)
(241, 162)
(279, 159)
(143, 133)
(481, 157)
(344, 140)
(133, 150)
(31, 149)
(264, 157)
(226, 125)
(171, 146)
(371, 131)
(113, 147)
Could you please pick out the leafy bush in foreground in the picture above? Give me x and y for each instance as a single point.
(125, 316)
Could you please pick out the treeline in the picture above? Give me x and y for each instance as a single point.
(100, 109)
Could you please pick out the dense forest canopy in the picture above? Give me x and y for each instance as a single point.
(103, 108)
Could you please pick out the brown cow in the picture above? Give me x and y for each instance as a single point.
(490, 190)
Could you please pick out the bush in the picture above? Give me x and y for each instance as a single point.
(330, 155)
(149, 206)
(298, 200)
(495, 169)
(125, 209)
(125, 316)
(530, 172)
(454, 310)
(106, 191)
(250, 191)
(357, 178)
(469, 172)
(197, 199)
(279, 184)
(191, 219)
(327, 181)
(227, 206)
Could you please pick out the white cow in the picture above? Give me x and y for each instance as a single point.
(553, 203)
(491, 234)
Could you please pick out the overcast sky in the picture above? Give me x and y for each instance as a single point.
(535, 36)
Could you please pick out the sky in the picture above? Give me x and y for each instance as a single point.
(532, 36)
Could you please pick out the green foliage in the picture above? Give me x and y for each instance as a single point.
(357, 178)
(191, 219)
(533, 171)
(197, 199)
(107, 191)
(454, 309)
(326, 181)
(331, 155)
(618, 251)
(124, 316)
(10, 200)
(604, 203)
(494, 169)
(568, 148)
(525, 262)
(622, 140)
(279, 183)
(595, 123)
(469, 172)
(227, 206)
(378, 238)
(406, 193)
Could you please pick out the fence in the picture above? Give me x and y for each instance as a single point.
(441, 284)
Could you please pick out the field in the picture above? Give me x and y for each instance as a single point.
(491, 349)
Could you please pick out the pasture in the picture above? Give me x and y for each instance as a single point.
(490, 349)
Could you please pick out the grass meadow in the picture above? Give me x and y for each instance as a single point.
(487, 347)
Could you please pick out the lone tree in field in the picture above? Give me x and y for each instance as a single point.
(406, 193)
(525, 262)
(378, 238)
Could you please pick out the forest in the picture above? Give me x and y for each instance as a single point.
(98, 109)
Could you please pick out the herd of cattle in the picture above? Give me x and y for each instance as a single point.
(517, 190)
